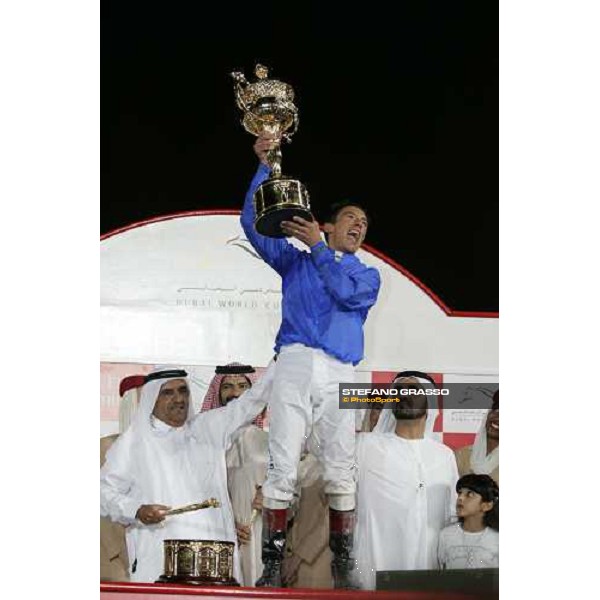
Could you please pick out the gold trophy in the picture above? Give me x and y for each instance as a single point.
(198, 562)
(268, 107)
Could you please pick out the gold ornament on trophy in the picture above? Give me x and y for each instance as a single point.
(268, 108)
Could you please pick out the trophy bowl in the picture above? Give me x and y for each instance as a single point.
(267, 106)
(278, 200)
(198, 562)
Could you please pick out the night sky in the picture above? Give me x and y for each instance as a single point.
(398, 109)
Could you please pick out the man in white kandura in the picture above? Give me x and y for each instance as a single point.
(167, 458)
(246, 463)
(406, 490)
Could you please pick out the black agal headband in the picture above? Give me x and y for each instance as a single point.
(234, 370)
(169, 374)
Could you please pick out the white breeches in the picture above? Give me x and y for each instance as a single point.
(305, 400)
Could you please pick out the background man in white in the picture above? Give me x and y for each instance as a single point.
(114, 562)
(406, 494)
(483, 457)
(247, 460)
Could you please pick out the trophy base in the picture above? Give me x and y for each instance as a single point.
(197, 581)
(279, 199)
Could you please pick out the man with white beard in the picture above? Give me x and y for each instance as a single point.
(406, 491)
(170, 457)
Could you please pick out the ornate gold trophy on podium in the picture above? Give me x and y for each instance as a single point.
(268, 107)
(198, 562)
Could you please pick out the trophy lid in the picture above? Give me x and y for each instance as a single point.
(249, 94)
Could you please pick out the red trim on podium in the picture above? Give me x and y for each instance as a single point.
(161, 591)
(203, 213)
(449, 311)
(191, 213)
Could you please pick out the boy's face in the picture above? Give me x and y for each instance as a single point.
(470, 503)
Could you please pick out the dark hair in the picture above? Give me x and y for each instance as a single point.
(496, 400)
(335, 209)
(488, 489)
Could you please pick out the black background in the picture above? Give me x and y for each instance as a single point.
(398, 109)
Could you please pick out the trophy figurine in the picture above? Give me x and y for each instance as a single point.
(268, 107)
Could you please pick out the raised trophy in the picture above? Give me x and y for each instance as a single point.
(268, 107)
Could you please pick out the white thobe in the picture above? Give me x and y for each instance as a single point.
(175, 466)
(246, 468)
(406, 496)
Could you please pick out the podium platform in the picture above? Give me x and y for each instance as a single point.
(160, 591)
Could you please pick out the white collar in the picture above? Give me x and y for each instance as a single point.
(160, 426)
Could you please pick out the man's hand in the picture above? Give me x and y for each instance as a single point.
(289, 569)
(151, 514)
(303, 230)
(257, 503)
(243, 533)
(263, 145)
